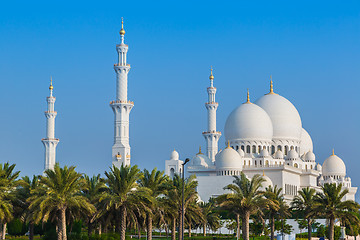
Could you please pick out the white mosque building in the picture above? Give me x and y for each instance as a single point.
(263, 137)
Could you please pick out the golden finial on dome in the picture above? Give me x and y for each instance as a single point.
(228, 144)
(122, 31)
(211, 74)
(200, 150)
(271, 86)
(333, 152)
(51, 86)
(248, 97)
(263, 173)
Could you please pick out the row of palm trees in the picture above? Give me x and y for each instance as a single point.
(246, 199)
(125, 198)
(128, 198)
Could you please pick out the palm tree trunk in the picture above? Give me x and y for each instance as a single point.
(309, 229)
(89, 228)
(237, 226)
(58, 229)
(173, 229)
(63, 223)
(31, 231)
(122, 222)
(149, 227)
(331, 228)
(272, 227)
(3, 232)
(204, 229)
(189, 230)
(100, 229)
(245, 223)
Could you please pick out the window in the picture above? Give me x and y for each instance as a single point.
(272, 149)
(247, 149)
(279, 147)
(253, 149)
(296, 165)
(286, 150)
(267, 163)
(255, 163)
(259, 149)
(172, 172)
(237, 147)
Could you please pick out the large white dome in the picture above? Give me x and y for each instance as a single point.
(228, 159)
(174, 155)
(285, 118)
(248, 122)
(306, 143)
(334, 165)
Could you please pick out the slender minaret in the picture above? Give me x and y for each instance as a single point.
(121, 106)
(211, 135)
(50, 142)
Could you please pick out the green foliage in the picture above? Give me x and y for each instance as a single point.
(16, 227)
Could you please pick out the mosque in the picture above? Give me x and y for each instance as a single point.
(263, 137)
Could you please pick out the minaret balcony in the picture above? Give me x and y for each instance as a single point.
(121, 65)
(122, 101)
(212, 103)
(211, 132)
(49, 139)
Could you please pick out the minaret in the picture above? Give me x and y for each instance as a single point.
(211, 135)
(121, 106)
(50, 142)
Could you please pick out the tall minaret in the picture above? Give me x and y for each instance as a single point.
(211, 135)
(50, 142)
(121, 106)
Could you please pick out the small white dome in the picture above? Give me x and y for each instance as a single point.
(174, 155)
(200, 160)
(334, 166)
(266, 183)
(285, 118)
(241, 152)
(310, 156)
(306, 143)
(292, 154)
(264, 153)
(228, 159)
(248, 122)
(279, 155)
(318, 167)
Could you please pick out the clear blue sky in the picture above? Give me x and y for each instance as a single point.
(310, 47)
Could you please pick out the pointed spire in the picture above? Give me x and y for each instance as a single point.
(248, 97)
(271, 86)
(200, 150)
(333, 152)
(51, 86)
(228, 144)
(211, 73)
(122, 31)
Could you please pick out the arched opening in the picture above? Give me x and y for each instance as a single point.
(259, 148)
(306, 167)
(237, 147)
(244, 163)
(311, 166)
(267, 163)
(253, 149)
(279, 147)
(248, 149)
(172, 172)
(243, 148)
(286, 150)
(296, 165)
(255, 163)
(272, 149)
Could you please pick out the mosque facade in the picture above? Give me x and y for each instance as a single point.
(264, 137)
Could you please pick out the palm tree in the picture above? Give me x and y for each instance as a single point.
(8, 183)
(173, 198)
(59, 190)
(123, 196)
(211, 218)
(304, 204)
(274, 197)
(155, 181)
(23, 193)
(329, 204)
(94, 187)
(245, 199)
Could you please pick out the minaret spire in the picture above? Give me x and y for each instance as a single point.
(248, 97)
(121, 106)
(50, 142)
(271, 86)
(211, 135)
